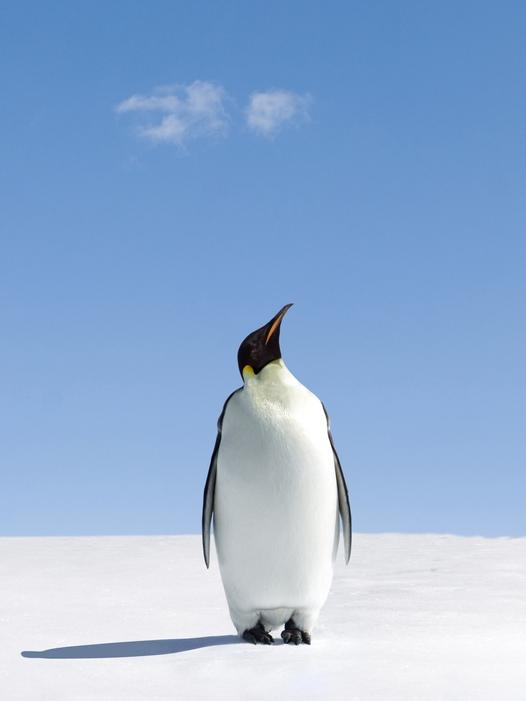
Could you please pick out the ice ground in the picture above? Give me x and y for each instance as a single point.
(414, 617)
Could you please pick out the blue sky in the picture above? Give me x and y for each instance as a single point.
(364, 160)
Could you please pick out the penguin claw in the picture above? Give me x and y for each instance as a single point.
(293, 635)
(258, 634)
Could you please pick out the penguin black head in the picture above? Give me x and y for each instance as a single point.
(261, 347)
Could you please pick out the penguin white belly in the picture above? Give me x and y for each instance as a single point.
(276, 503)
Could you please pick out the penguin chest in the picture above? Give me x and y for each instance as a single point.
(276, 498)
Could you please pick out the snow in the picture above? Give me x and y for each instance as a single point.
(127, 618)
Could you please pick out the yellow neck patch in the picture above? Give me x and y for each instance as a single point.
(248, 372)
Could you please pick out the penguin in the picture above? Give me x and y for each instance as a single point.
(276, 492)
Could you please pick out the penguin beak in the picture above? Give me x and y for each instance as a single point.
(275, 322)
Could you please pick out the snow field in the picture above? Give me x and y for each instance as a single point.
(130, 618)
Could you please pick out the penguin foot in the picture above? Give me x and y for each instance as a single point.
(258, 634)
(293, 635)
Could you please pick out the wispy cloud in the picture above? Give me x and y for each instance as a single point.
(184, 112)
(269, 111)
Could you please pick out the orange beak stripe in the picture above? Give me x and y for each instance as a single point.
(275, 326)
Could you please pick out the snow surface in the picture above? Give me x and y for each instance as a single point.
(126, 618)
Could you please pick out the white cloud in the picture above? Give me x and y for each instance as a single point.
(268, 111)
(186, 112)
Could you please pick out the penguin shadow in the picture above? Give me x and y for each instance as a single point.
(132, 648)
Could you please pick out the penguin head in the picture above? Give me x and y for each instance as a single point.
(261, 346)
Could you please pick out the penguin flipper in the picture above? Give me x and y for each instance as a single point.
(208, 501)
(210, 485)
(343, 494)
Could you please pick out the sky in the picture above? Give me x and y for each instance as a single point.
(173, 173)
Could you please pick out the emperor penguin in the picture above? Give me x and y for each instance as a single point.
(276, 492)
